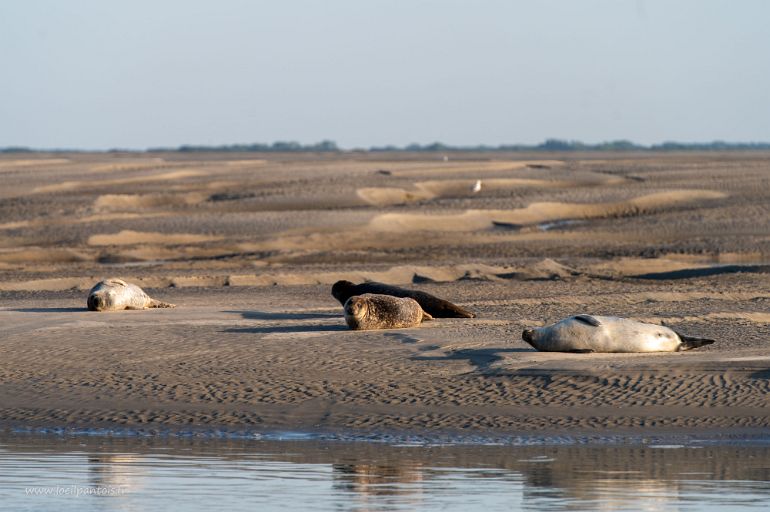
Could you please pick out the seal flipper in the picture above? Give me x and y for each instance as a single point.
(454, 311)
(588, 319)
(158, 304)
(691, 342)
(426, 317)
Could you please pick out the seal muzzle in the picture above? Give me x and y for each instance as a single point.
(528, 335)
(95, 303)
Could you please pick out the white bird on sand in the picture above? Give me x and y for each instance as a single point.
(476, 187)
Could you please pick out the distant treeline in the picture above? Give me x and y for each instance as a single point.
(330, 146)
(275, 147)
(573, 145)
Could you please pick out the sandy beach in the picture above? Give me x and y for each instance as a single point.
(248, 245)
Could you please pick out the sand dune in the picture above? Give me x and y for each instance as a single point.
(245, 163)
(77, 185)
(164, 254)
(122, 202)
(128, 237)
(426, 190)
(51, 284)
(635, 266)
(97, 217)
(133, 165)
(536, 213)
(404, 274)
(15, 225)
(32, 162)
(474, 168)
(544, 270)
(385, 196)
(42, 254)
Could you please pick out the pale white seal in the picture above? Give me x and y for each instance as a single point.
(587, 333)
(116, 294)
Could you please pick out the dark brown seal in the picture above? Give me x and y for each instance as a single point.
(372, 311)
(437, 308)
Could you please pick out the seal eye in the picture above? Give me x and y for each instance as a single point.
(355, 307)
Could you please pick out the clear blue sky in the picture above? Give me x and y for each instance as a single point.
(98, 74)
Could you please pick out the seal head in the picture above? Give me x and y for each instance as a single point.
(96, 302)
(343, 290)
(357, 308)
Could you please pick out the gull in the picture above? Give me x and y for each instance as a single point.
(476, 187)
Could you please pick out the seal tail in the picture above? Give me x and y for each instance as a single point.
(455, 311)
(158, 304)
(691, 342)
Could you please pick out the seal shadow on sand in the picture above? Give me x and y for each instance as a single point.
(49, 310)
(482, 358)
(265, 329)
(411, 340)
(761, 375)
(271, 315)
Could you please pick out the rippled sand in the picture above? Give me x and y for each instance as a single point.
(247, 246)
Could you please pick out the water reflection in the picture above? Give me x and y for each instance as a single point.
(124, 473)
(370, 483)
(237, 475)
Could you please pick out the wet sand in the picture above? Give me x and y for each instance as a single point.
(248, 246)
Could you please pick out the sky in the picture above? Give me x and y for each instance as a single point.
(96, 74)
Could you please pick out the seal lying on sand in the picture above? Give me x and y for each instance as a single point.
(587, 333)
(116, 294)
(372, 311)
(438, 308)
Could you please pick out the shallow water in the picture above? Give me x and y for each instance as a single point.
(102, 474)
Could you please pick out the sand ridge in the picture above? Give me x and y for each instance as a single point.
(427, 190)
(34, 162)
(537, 213)
(129, 237)
(74, 185)
(450, 167)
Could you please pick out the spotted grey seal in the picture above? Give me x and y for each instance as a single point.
(374, 311)
(116, 294)
(588, 333)
(438, 308)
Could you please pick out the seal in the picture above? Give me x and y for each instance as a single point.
(588, 333)
(374, 311)
(437, 308)
(116, 294)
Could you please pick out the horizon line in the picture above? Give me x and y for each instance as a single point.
(551, 144)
